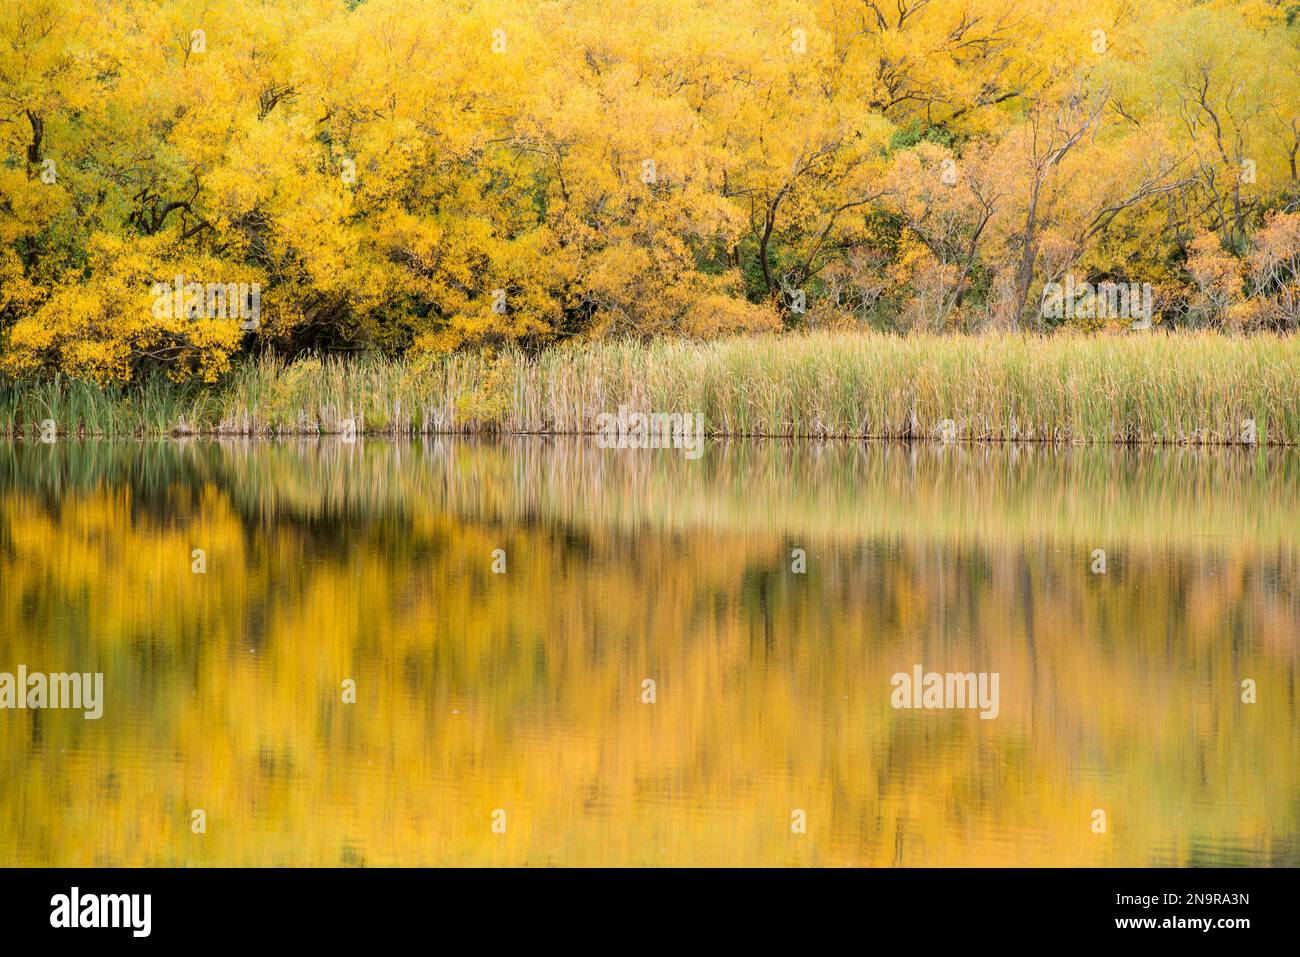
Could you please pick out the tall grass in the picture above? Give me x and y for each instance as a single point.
(1187, 388)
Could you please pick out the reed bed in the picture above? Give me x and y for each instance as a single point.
(1180, 388)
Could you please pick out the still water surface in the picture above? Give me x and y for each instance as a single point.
(523, 691)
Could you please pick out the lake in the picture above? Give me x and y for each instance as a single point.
(533, 650)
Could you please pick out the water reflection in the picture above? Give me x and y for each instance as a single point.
(523, 691)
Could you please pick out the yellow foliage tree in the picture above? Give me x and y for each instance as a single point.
(417, 173)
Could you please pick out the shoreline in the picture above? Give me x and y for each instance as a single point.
(1168, 389)
(20, 436)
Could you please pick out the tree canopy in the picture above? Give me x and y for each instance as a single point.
(435, 175)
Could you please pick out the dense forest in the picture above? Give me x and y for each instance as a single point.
(433, 176)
